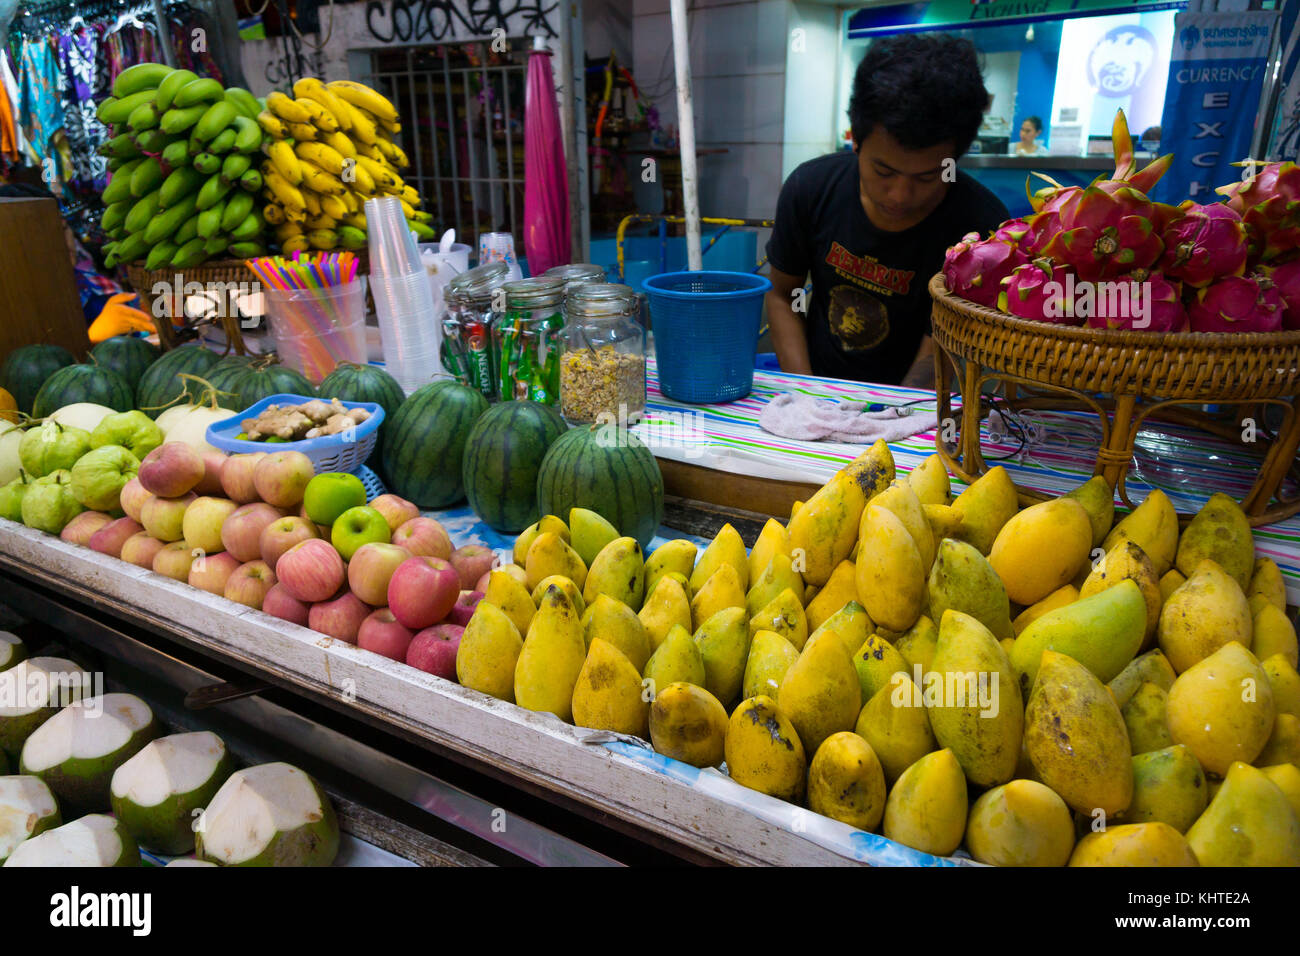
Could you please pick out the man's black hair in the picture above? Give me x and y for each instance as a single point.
(1035, 122)
(924, 89)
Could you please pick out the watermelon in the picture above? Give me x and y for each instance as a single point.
(504, 454)
(159, 388)
(83, 383)
(425, 450)
(366, 383)
(225, 377)
(262, 381)
(607, 470)
(26, 369)
(128, 355)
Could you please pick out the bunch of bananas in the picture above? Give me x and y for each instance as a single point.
(184, 183)
(328, 149)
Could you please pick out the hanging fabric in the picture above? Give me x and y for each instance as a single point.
(40, 108)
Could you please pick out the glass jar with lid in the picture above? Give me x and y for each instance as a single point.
(602, 372)
(526, 342)
(576, 274)
(467, 325)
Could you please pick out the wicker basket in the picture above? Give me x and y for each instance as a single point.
(1123, 377)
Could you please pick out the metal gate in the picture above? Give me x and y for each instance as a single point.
(462, 110)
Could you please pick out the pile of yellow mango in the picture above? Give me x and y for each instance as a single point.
(1040, 686)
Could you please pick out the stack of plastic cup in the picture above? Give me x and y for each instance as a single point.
(442, 268)
(408, 319)
(499, 247)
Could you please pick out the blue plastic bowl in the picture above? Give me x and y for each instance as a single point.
(345, 452)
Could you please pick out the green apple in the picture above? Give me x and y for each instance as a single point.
(51, 446)
(134, 430)
(98, 476)
(49, 503)
(11, 498)
(328, 496)
(358, 526)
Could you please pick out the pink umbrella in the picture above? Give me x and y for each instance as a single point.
(546, 178)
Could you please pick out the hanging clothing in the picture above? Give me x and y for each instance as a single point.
(11, 145)
(40, 109)
(84, 130)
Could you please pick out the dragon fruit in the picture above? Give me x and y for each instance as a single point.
(1118, 304)
(1286, 279)
(1013, 231)
(1237, 304)
(1204, 243)
(1040, 290)
(974, 268)
(1269, 204)
(1106, 233)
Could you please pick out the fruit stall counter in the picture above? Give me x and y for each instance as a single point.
(1045, 451)
(622, 785)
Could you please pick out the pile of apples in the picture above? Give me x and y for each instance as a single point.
(264, 530)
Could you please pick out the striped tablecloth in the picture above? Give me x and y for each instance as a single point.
(1187, 464)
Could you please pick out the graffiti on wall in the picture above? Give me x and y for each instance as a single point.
(432, 21)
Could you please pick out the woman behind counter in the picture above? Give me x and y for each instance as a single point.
(1029, 145)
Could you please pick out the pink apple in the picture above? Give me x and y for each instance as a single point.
(422, 591)
(371, 568)
(281, 478)
(133, 497)
(140, 550)
(164, 518)
(382, 633)
(281, 535)
(463, 609)
(211, 572)
(84, 526)
(210, 483)
(237, 477)
(482, 583)
(472, 562)
(311, 570)
(396, 511)
(433, 650)
(174, 560)
(171, 470)
(203, 520)
(250, 583)
(241, 532)
(110, 538)
(340, 617)
(424, 536)
(280, 603)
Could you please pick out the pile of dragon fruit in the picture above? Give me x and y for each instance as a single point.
(1107, 256)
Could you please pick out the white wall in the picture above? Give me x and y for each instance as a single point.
(814, 120)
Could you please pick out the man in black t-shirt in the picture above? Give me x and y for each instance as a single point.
(871, 226)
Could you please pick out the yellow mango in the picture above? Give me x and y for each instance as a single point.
(1173, 579)
(1202, 616)
(1098, 500)
(1273, 633)
(1285, 684)
(688, 724)
(1041, 549)
(1103, 632)
(723, 641)
(838, 591)
(772, 540)
(488, 652)
(1248, 823)
(676, 660)
(619, 572)
(608, 695)
(963, 580)
(551, 658)
(930, 481)
(722, 590)
(1283, 745)
(1220, 533)
(897, 725)
(665, 607)
(926, 809)
(903, 502)
(1152, 526)
(1266, 580)
(505, 592)
(590, 533)
(784, 616)
(944, 521)
(825, 529)
(571, 591)
(1222, 709)
(1134, 844)
(1128, 562)
(1147, 721)
(613, 621)
(1151, 667)
(676, 556)
(770, 656)
(846, 782)
(725, 548)
(891, 578)
(1058, 598)
(851, 623)
(550, 555)
(1168, 787)
(548, 524)
(778, 576)
(983, 508)
(1021, 823)
(1287, 779)
(876, 661)
(820, 694)
(764, 752)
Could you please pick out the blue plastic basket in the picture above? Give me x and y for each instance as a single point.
(706, 332)
(371, 482)
(332, 453)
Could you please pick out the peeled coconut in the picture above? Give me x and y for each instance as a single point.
(77, 750)
(95, 840)
(31, 692)
(186, 861)
(192, 427)
(85, 415)
(27, 808)
(156, 792)
(269, 815)
(12, 650)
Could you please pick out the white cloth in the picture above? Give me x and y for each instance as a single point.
(805, 418)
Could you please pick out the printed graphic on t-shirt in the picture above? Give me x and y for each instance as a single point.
(858, 320)
(868, 271)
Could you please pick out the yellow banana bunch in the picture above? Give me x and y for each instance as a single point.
(285, 192)
(360, 179)
(321, 118)
(284, 162)
(410, 196)
(393, 153)
(362, 129)
(286, 231)
(382, 177)
(273, 213)
(323, 239)
(296, 243)
(334, 206)
(319, 181)
(341, 143)
(360, 95)
(326, 157)
(312, 201)
(310, 88)
(355, 219)
(272, 125)
(303, 131)
(289, 110)
(321, 222)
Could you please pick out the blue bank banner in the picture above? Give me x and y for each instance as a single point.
(1286, 125)
(1216, 76)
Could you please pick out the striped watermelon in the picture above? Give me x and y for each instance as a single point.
(160, 387)
(607, 470)
(366, 383)
(225, 377)
(504, 454)
(128, 355)
(26, 369)
(260, 379)
(83, 383)
(425, 450)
